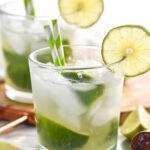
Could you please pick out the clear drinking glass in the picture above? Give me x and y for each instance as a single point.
(22, 34)
(77, 107)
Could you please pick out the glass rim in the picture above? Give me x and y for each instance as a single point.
(47, 66)
(2, 11)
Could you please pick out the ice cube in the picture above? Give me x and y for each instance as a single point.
(65, 98)
(68, 33)
(19, 42)
(103, 117)
(57, 89)
(69, 118)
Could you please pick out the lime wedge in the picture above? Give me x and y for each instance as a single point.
(7, 146)
(132, 42)
(75, 78)
(20, 76)
(56, 136)
(89, 96)
(84, 13)
(18, 70)
(137, 121)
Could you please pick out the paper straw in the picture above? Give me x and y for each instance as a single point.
(29, 7)
(51, 42)
(58, 41)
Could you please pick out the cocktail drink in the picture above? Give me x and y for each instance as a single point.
(22, 34)
(77, 106)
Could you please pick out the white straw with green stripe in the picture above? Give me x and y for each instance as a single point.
(58, 41)
(51, 42)
(29, 7)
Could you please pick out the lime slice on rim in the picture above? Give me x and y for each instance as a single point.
(137, 121)
(84, 13)
(133, 42)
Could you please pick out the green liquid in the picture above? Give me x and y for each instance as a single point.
(57, 137)
(18, 70)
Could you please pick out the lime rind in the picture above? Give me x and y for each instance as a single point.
(137, 121)
(87, 97)
(81, 12)
(129, 37)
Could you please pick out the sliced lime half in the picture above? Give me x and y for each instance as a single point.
(81, 12)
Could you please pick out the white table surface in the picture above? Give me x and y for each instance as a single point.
(25, 136)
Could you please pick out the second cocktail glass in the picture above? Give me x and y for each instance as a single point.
(77, 106)
(22, 34)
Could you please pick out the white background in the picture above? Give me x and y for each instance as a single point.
(116, 12)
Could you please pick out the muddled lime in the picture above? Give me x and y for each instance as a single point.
(56, 136)
(89, 96)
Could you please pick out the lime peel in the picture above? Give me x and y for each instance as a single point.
(132, 41)
(137, 121)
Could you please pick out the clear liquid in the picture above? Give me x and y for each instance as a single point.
(78, 116)
(16, 48)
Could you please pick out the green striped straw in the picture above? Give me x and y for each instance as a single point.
(51, 42)
(58, 41)
(29, 7)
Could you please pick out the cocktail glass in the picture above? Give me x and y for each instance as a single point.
(77, 106)
(22, 34)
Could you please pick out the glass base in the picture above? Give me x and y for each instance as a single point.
(40, 147)
(18, 96)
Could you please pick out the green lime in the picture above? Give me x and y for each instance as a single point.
(18, 69)
(89, 96)
(19, 74)
(137, 121)
(56, 136)
(132, 42)
(7, 146)
(14, 58)
(84, 13)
